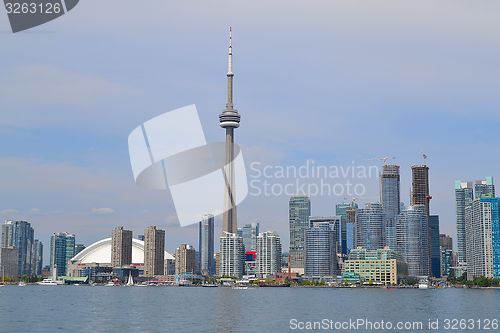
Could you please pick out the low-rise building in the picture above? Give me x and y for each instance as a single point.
(377, 267)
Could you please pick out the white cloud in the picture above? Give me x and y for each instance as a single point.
(103, 211)
(8, 212)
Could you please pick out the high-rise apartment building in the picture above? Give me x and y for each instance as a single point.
(37, 258)
(268, 254)
(420, 195)
(464, 195)
(20, 234)
(412, 232)
(62, 249)
(320, 250)
(484, 188)
(232, 255)
(482, 223)
(299, 212)
(369, 225)
(185, 259)
(121, 247)
(154, 251)
(335, 223)
(347, 211)
(206, 245)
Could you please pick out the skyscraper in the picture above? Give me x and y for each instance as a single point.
(483, 238)
(185, 259)
(268, 254)
(412, 232)
(435, 247)
(335, 223)
(206, 245)
(121, 247)
(341, 210)
(369, 223)
(390, 198)
(232, 255)
(9, 262)
(420, 196)
(62, 249)
(249, 233)
(37, 258)
(299, 212)
(320, 250)
(464, 195)
(19, 234)
(420, 186)
(229, 120)
(154, 251)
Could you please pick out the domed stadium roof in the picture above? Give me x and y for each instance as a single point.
(100, 252)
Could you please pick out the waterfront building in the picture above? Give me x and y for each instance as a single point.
(249, 233)
(185, 259)
(435, 247)
(231, 255)
(268, 254)
(412, 234)
(369, 224)
(37, 258)
(154, 250)
(121, 254)
(20, 234)
(62, 249)
(99, 254)
(446, 242)
(299, 212)
(378, 267)
(420, 196)
(335, 223)
(464, 195)
(482, 221)
(206, 245)
(9, 262)
(320, 249)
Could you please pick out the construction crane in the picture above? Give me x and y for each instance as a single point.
(382, 158)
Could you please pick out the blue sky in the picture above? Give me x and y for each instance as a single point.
(329, 81)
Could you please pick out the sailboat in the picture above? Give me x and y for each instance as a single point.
(130, 281)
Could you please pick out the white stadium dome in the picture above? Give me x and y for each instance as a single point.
(100, 252)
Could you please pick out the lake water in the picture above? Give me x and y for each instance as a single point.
(172, 309)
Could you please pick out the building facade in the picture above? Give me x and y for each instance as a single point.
(446, 242)
(320, 251)
(185, 259)
(483, 238)
(9, 262)
(249, 233)
(378, 267)
(464, 195)
(369, 225)
(435, 247)
(62, 249)
(121, 247)
(299, 212)
(20, 234)
(206, 245)
(268, 254)
(390, 199)
(154, 251)
(37, 258)
(232, 255)
(412, 234)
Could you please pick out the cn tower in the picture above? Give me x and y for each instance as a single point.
(229, 119)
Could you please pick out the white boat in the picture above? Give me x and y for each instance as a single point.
(241, 285)
(423, 282)
(110, 284)
(130, 281)
(22, 284)
(47, 282)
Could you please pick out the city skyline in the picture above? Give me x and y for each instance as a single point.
(69, 156)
